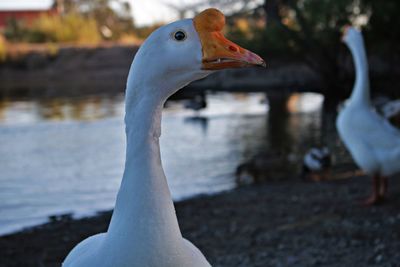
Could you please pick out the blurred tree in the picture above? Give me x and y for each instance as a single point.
(113, 17)
(82, 21)
(189, 8)
(3, 49)
(71, 27)
(245, 22)
(383, 40)
(15, 30)
(383, 29)
(312, 29)
(306, 29)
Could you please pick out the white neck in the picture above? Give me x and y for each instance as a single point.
(144, 213)
(360, 94)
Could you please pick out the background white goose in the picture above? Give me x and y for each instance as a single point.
(144, 230)
(373, 143)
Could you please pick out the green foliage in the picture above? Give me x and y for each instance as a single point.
(312, 30)
(113, 17)
(49, 28)
(84, 21)
(52, 49)
(383, 29)
(252, 38)
(278, 43)
(309, 25)
(317, 23)
(3, 49)
(69, 28)
(15, 30)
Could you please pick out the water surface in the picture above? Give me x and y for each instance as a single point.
(66, 155)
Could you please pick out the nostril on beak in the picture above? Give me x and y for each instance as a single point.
(233, 48)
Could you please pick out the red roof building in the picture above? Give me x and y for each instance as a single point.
(28, 14)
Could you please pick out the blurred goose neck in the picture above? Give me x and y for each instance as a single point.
(361, 93)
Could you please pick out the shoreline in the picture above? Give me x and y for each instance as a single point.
(72, 216)
(76, 70)
(285, 223)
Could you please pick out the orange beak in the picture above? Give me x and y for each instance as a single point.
(218, 52)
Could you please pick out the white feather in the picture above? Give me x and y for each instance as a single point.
(373, 143)
(144, 230)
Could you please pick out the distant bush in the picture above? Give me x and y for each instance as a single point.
(3, 49)
(71, 28)
(52, 49)
(15, 30)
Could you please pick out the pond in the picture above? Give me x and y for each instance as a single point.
(66, 155)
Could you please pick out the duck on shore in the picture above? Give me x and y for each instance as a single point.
(261, 168)
(317, 164)
(373, 143)
(144, 230)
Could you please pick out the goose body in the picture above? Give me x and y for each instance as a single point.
(373, 143)
(144, 230)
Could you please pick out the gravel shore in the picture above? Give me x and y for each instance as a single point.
(277, 224)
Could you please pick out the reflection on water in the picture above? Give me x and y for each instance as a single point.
(67, 155)
(82, 109)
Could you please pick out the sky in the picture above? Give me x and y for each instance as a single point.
(145, 12)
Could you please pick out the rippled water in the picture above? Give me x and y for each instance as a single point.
(67, 155)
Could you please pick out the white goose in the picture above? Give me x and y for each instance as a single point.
(144, 230)
(373, 143)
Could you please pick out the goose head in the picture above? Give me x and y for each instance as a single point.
(352, 37)
(184, 51)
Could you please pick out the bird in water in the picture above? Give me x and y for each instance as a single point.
(144, 230)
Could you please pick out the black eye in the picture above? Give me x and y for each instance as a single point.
(179, 36)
